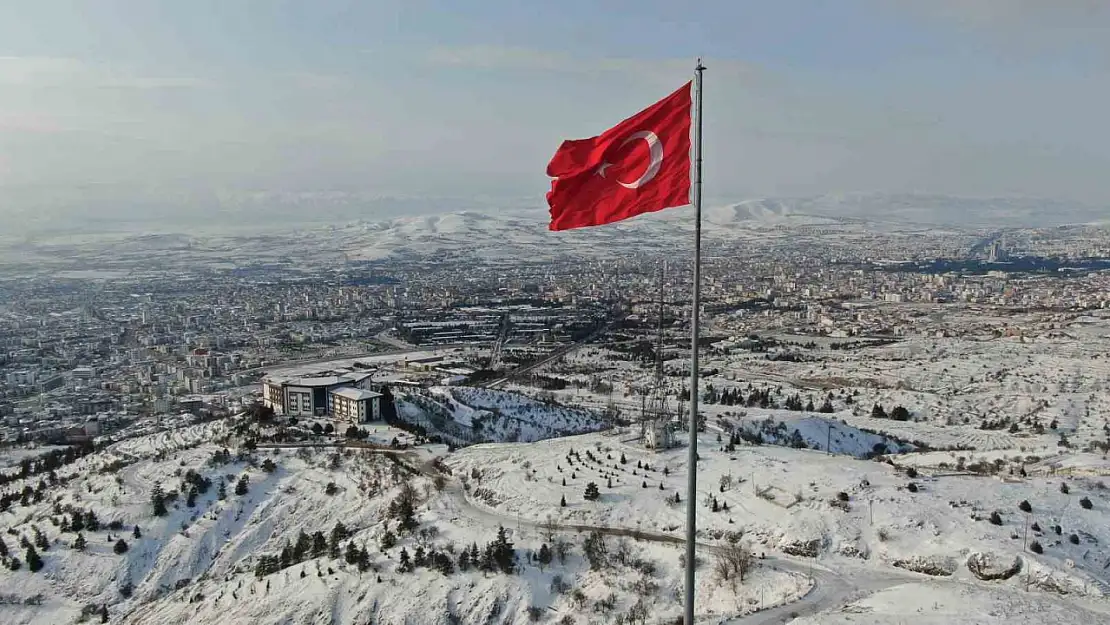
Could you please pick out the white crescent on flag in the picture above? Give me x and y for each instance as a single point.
(655, 148)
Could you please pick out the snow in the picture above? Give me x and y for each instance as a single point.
(931, 603)
(783, 499)
(486, 414)
(847, 539)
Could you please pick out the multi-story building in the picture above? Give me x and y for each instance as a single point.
(310, 396)
(355, 404)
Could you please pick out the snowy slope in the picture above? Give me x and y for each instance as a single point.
(788, 499)
(477, 414)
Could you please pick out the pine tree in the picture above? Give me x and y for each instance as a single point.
(34, 562)
(120, 547)
(137, 533)
(302, 547)
(488, 563)
(387, 541)
(78, 522)
(14, 564)
(464, 560)
(444, 564)
(103, 613)
(405, 562)
(544, 555)
(191, 497)
(3, 548)
(242, 486)
(338, 535)
(503, 553)
(563, 502)
(286, 556)
(79, 542)
(418, 556)
(157, 500)
(319, 544)
(267, 564)
(40, 539)
(592, 492)
(91, 522)
(623, 459)
(609, 484)
(352, 553)
(363, 560)
(221, 492)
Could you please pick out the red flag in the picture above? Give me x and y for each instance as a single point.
(641, 165)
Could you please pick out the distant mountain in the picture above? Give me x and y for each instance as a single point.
(951, 211)
(372, 226)
(523, 230)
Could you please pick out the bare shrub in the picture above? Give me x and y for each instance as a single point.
(559, 585)
(562, 550)
(606, 604)
(733, 560)
(548, 529)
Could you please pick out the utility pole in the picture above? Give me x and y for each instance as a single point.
(1025, 542)
(828, 441)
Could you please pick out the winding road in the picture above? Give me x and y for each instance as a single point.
(830, 589)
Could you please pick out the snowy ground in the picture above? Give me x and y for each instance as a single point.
(904, 537)
(477, 414)
(930, 603)
(198, 563)
(788, 500)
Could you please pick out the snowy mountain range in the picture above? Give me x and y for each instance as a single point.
(96, 210)
(508, 232)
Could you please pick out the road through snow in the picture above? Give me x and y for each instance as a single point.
(830, 589)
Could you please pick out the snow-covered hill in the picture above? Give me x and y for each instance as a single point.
(806, 502)
(477, 414)
(813, 432)
(307, 534)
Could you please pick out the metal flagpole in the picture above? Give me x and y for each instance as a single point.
(692, 459)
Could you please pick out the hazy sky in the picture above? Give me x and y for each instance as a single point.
(465, 97)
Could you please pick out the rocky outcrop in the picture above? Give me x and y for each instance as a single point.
(938, 566)
(989, 566)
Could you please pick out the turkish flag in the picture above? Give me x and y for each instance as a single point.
(641, 165)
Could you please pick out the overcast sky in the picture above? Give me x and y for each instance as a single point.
(468, 97)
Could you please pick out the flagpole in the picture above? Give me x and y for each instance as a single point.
(692, 459)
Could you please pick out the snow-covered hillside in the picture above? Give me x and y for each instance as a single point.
(808, 503)
(315, 532)
(477, 414)
(813, 432)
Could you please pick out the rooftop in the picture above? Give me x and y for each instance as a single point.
(356, 394)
